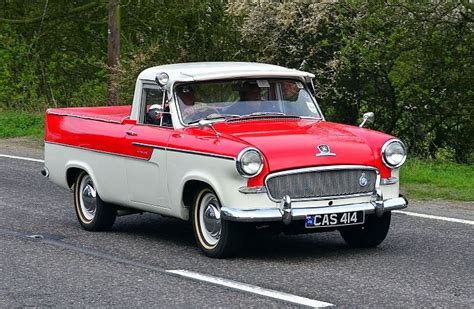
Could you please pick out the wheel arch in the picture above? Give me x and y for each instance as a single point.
(74, 168)
(191, 186)
(190, 189)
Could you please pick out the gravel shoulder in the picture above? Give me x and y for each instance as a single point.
(21, 146)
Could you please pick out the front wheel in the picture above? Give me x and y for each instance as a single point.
(370, 234)
(215, 237)
(93, 213)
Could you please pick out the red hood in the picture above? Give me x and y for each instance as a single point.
(289, 144)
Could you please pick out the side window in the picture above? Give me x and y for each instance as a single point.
(153, 111)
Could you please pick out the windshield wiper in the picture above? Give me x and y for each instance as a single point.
(263, 114)
(216, 117)
(266, 114)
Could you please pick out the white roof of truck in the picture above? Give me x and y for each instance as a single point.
(198, 71)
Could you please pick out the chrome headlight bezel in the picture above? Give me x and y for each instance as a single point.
(240, 161)
(385, 148)
(162, 79)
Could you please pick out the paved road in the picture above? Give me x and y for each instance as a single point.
(423, 262)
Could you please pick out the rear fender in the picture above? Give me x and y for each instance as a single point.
(85, 167)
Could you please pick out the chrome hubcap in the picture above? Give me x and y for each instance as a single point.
(210, 217)
(88, 198)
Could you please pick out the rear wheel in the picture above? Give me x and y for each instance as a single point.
(93, 213)
(215, 237)
(371, 234)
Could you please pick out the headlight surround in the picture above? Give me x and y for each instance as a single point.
(394, 153)
(249, 162)
(162, 79)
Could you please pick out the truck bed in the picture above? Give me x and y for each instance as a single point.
(114, 114)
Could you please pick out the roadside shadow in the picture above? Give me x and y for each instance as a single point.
(257, 246)
(154, 227)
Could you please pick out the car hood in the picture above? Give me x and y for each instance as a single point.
(289, 143)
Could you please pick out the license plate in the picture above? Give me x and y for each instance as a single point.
(335, 219)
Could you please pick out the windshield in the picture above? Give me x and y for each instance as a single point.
(243, 97)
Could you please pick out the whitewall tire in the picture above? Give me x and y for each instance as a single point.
(93, 213)
(215, 237)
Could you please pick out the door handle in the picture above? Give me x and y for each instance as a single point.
(131, 133)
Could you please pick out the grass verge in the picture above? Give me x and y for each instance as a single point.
(427, 180)
(21, 124)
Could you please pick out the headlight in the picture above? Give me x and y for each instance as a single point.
(249, 162)
(394, 153)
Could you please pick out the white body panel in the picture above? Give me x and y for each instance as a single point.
(157, 185)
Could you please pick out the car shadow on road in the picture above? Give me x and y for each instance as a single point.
(258, 245)
(158, 228)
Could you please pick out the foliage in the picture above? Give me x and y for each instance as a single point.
(437, 179)
(15, 124)
(411, 62)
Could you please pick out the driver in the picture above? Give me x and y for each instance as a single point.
(190, 110)
(187, 103)
(251, 97)
(250, 91)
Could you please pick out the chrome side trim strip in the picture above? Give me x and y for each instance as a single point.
(200, 153)
(325, 168)
(98, 151)
(87, 117)
(252, 190)
(148, 146)
(327, 154)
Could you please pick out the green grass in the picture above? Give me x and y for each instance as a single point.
(21, 124)
(437, 179)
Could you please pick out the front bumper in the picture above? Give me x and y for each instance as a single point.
(287, 214)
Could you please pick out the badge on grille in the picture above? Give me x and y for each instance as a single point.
(324, 151)
(363, 180)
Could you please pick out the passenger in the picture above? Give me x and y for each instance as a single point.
(251, 97)
(250, 92)
(154, 114)
(290, 91)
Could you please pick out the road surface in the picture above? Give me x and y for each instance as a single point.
(46, 259)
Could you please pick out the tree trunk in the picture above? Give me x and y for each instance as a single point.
(113, 51)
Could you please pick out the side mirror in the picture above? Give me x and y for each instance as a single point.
(154, 114)
(367, 117)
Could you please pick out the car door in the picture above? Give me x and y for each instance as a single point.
(147, 177)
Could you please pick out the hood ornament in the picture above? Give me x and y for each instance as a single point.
(324, 151)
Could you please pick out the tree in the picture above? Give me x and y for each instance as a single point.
(411, 63)
(113, 51)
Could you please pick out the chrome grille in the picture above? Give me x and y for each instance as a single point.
(317, 183)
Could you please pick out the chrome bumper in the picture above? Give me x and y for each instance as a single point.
(287, 214)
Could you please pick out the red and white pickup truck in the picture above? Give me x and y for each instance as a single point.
(232, 147)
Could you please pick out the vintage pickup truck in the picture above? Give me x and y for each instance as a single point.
(232, 147)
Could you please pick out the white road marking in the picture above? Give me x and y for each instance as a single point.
(252, 289)
(21, 158)
(416, 214)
